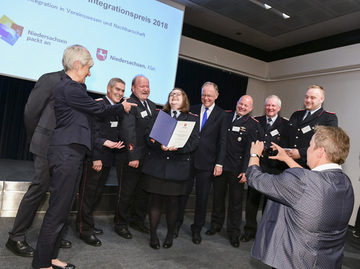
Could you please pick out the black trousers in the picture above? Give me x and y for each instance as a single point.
(252, 207)
(132, 201)
(91, 188)
(227, 182)
(32, 199)
(65, 163)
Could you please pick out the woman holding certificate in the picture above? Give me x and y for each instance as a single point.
(167, 169)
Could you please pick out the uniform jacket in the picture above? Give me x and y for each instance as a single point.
(173, 165)
(240, 133)
(104, 128)
(306, 217)
(300, 132)
(133, 127)
(212, 143)
(72, 107)
(277, 133)
(39, 115)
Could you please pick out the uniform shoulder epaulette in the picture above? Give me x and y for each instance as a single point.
(285, 118)
(99, 99)
(254, 119)
(228, 111)
(258, 116)
(301, 109)
(158, 109)
(196, 115)
(329, 112)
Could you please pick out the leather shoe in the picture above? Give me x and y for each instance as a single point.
(213, 230)
(68, 266)
(20, 248)
(97, 231)
(91, 240)
(65, 243)
(196, 238)
(234, 241)
(246, 237)
(154, 243)
(140, 227)
(167, 244)
(124, 232)
(176, 232)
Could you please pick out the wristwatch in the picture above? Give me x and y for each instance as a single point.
(254, 155)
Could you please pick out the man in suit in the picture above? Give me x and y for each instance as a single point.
(306, 217)
(242, 129)
(40, 122)
(209, 157)
(303, 122)
(97, 167)
(274, 129)
(70, 141)
(132, 202)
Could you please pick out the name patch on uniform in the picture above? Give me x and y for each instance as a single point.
(113, 123)
(274, 132)
(235, 129)
(306, 129)
(143, 113)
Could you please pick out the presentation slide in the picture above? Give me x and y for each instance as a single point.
(125, 38)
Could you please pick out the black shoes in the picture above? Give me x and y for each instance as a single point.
(154, 243)
(91, 240)
(167, 244)
(65, 243)
(140, 227)
(20, 248)
(234, 241)
(246, 237)
(124, 233)
(68, 266)
(213, 230)
(97, 231)
(196, 238)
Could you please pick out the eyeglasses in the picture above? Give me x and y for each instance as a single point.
(175, 94)
(208, 96)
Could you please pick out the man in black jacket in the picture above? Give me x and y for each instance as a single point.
(97, 167)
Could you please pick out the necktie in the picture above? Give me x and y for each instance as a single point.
(204, 118)
(268, 124)
(147, 108)
(307, 115)
(174, 114)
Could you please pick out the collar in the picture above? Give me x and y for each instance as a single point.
(111, 102)
(327, 166)
(313, 111)
(273, 119)
(177, 112)
(210, 109)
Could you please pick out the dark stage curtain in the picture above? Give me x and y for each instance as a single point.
(191, 76)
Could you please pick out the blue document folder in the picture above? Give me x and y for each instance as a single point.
(163, 128)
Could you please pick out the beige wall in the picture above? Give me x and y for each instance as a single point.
(337, 70)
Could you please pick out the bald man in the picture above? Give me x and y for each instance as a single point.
(242, 130)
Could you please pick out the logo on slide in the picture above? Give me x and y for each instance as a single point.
(101, 54)
(9, 30)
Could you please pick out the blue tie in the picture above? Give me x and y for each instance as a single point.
(204, 118)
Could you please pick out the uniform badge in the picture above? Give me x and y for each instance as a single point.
(242, 128)
(152, 140)
(131, 147)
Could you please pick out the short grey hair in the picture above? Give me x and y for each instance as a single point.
(76, 53)
(273, 96)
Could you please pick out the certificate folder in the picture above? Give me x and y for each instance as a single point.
(170, 132)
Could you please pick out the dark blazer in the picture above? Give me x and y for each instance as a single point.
(104, 128)
(175, 165)
(39, 115)
(212, 143)
(300, 132)
(277, 133)
(240, 134)
(72, 107)
(133, 127)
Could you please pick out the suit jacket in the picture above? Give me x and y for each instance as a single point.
(72, 107)
(300, 132)
(306, 218)
(133, 127)
(277, 133)
(212, 143)
(174, 165)
(39, 115)
(240, 134)
(104, 128)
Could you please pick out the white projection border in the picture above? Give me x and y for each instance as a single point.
(125, 38)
